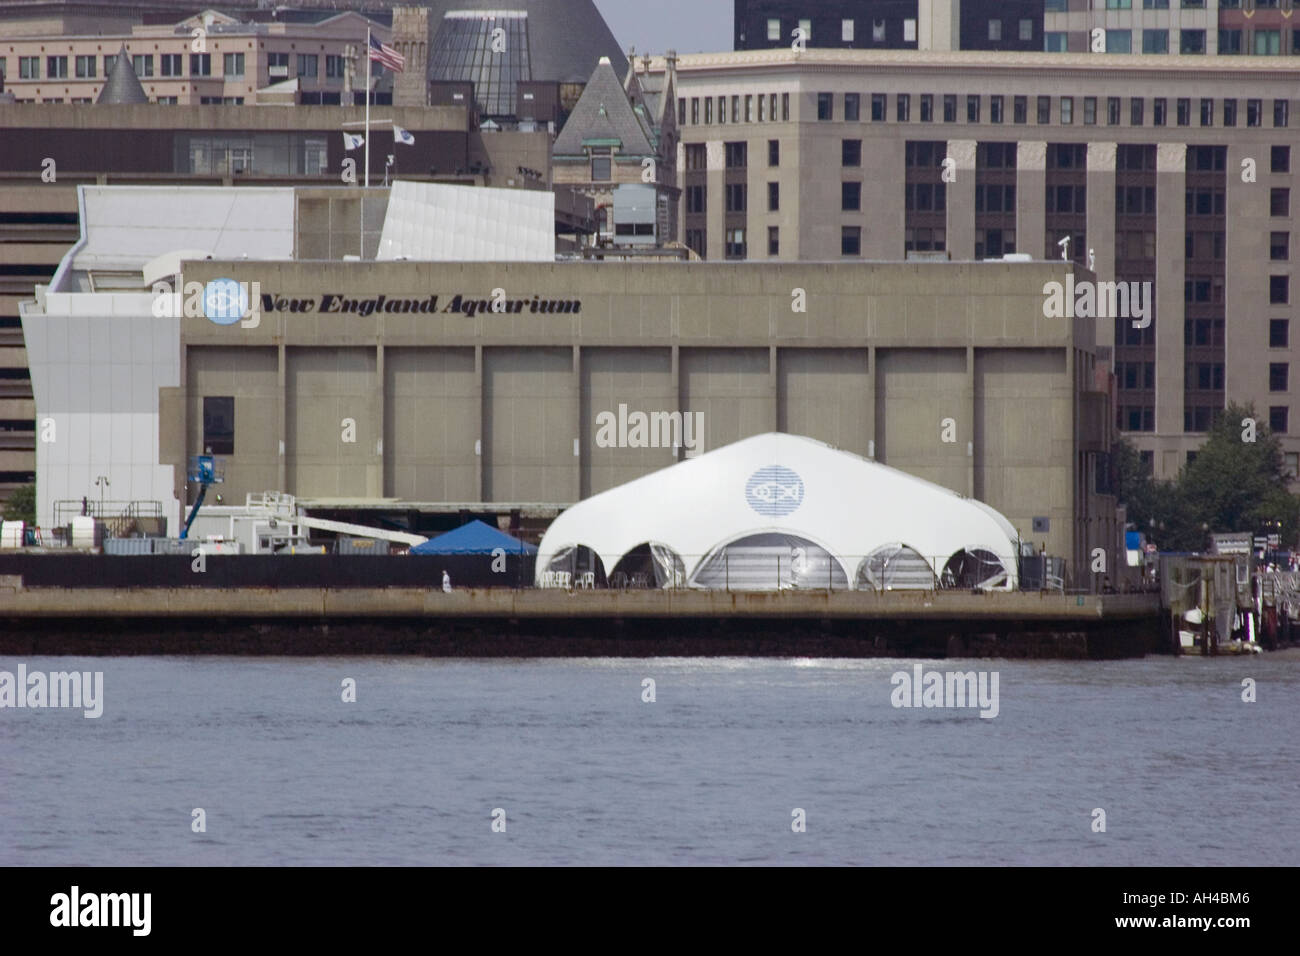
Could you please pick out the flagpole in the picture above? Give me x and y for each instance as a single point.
(361, 236)
(368, 78)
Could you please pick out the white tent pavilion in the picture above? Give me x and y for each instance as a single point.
(777, 511)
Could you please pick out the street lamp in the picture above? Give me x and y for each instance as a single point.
(103, 482)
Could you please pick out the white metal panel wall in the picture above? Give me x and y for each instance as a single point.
(432, 221)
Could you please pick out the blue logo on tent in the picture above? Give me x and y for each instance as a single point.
(774, 491)
(225, 301)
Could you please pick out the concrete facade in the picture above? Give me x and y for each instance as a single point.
(950, 372)
(1080, 128)
(1069, 25)
(194, 61)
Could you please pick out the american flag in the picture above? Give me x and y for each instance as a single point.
(385, 54)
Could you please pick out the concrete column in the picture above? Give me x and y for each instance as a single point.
(677, 378)
(1078, 503)
(1031, 186)
(1101, 223)
(579, 439)
(283, 428)
(961, 200)
(938, 25)
(376, 486)
(1171, 224)
(680, 234)
(883, 198)
(481, 446)
(968, 427)
(1246, 353)
(774, 387)
(716, 200)
(870, 398)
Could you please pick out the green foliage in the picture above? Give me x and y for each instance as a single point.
(1135, 486)
(1232, 485)
(21, 505)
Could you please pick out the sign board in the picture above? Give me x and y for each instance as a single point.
(1233, 543)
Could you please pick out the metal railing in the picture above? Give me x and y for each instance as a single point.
(110, 512)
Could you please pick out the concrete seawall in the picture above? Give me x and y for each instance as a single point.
(502, 622)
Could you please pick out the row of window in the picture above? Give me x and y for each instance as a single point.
(1197, 376)
(1065, 156)
(1209, 290)
(1199, 418)
(1130, 245)
(735, 242)
(1260, 41)
(748, 108)
(744, 109)
(172, 64)
(993, 198)
(1129, 200)
(1060, 6)
(160, 100)
(777, 32)
(1089, 112)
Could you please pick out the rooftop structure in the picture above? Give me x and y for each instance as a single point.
(531, 41)
(619, 146)
(123, 86)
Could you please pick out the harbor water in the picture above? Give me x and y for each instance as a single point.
(574, 764)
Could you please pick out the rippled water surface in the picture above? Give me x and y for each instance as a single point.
(588, 773)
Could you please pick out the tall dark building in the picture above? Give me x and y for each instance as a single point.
(848, 24)
(891, 24)
(1001, 24)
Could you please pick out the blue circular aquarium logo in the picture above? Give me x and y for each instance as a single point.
(225, 301)
(774, 491)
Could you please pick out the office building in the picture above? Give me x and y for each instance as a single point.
(1172, 171)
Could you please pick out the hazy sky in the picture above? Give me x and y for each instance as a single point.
(688, 26)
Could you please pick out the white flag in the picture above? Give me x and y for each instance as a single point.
(353, 140)
(402, 136)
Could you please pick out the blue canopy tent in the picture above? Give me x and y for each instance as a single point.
(474, 538)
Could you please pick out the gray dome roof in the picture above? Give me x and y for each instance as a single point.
(566, 38)
(122, 85)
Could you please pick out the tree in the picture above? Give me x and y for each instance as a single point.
(21, 505)
(1135, 487)
(1233, 484)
